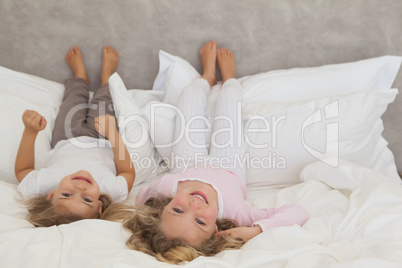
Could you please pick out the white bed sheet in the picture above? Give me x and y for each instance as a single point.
(356, 215)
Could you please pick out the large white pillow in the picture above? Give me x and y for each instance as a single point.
(280, 143)
(18, 92)
(289, 91)
(300, 84)
(134, 127)
(297, 84)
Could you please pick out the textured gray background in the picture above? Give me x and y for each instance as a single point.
(264, 35)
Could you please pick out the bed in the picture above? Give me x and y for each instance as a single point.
(320, 103)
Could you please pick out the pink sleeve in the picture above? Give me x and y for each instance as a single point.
(159, 188)
(284, 216)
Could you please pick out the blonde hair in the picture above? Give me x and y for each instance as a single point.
(42, 213)
(147, 236)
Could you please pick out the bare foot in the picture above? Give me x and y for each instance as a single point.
(110, 61)
(208, 62)
(226, 63)
(75, 61)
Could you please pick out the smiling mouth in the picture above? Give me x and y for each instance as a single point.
(82, 179)
(201, 196)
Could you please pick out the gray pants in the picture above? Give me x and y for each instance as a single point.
(76, 116)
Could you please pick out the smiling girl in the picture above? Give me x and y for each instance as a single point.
(89, 166)
(202, 210)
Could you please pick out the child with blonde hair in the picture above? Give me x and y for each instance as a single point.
(201, 210)
(89, 167)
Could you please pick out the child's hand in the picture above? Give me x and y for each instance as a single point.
(245, 233)
(33, 121)
(105, 125)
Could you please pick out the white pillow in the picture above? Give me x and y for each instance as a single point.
(283, 89)
(302, 84)
(293, 85)
(174, 74)
(297, 84)
(161, 117)
(347, 127)
(19, 92)
(134, 128)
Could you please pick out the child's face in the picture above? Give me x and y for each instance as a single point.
(192, 213)
(78, 194)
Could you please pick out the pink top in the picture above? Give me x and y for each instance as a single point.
(231, 197)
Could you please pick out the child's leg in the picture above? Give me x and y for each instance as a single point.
(74, 107)
(193, 99)
(227, 137)
(101, 102)
(191, 115)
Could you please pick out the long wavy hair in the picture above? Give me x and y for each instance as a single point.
(147, 237)
(42, 213)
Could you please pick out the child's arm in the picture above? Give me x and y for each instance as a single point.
(25, 161)
(283, 216)
(286, 215)
(106, 126)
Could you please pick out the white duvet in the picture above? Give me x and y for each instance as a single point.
(356, 219)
